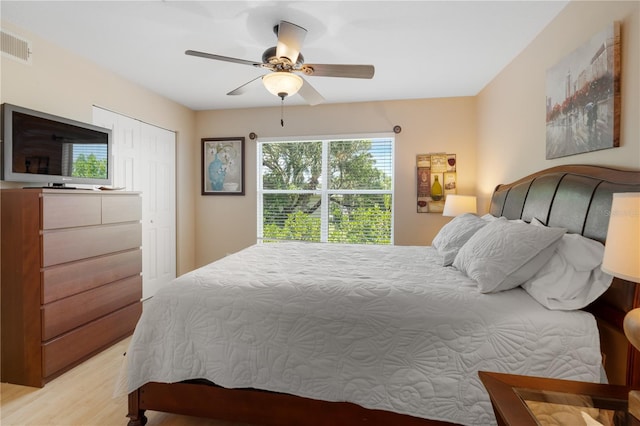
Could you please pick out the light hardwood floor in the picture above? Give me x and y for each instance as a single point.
(82, 396)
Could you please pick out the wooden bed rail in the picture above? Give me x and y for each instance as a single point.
(259, 407)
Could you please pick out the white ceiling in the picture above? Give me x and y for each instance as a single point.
(420, 49)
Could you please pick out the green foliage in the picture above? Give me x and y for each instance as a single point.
(353, 217)
(89, 167)
(362, 225)
(292, 165)
(297, 226)
(353, 167)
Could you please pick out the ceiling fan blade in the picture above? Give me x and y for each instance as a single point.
(290, 38)
(309, 94)
(337, 70)
(243, 89)
(222, 58)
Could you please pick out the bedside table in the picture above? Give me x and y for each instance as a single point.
(527, 401)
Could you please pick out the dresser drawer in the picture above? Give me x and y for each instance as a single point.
(66, 314)
(121, 208)
(69, 349)
(71, 278)
(82, 243)
(67, 211)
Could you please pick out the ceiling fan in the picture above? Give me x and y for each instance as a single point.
(285, 60)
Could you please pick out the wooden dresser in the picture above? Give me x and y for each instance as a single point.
(71, 278)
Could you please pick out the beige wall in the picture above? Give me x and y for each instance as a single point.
(61, 83)
(511, 109)
(226, 224)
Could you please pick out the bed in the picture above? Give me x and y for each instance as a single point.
(383, 335)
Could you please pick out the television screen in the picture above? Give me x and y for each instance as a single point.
(43, 148)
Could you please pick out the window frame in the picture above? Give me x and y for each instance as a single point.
(324, 192)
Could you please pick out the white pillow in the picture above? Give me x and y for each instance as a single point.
(504, 254)
(454, 234)
(490, 218)
(572, 278)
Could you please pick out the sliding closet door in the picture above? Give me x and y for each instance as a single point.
(144, 161)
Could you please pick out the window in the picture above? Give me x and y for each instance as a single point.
(84, 160)
(331, 190)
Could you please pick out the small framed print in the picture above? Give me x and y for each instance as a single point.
(222, 166)
(438, 163)
(449, 182)
(451, 163)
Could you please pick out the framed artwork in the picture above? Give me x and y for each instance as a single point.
(436, 178)
(583, 97)
(222, 166)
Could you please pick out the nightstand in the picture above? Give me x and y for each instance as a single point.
(527, 401)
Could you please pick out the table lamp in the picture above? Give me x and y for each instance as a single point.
(622, 260)
(455, 205)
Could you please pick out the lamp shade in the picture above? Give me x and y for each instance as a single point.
(622, 248)
(455, 205)
(282, 83)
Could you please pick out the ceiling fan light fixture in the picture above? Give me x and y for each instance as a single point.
(282, 83)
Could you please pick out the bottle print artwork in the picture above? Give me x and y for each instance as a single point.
(436, 190)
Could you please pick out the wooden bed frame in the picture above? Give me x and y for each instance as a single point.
(575, 197)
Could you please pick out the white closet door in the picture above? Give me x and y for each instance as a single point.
(144, 161)
(159, 208)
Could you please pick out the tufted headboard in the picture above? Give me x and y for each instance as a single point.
(578, 198)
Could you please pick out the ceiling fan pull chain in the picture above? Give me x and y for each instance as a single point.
(282, 111)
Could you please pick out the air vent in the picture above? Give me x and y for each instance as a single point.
(15, 47)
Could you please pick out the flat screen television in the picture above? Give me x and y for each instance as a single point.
(54, 151)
